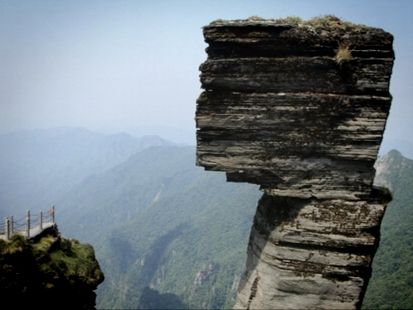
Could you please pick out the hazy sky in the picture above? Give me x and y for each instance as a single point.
(127, 65)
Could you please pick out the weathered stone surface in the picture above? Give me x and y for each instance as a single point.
(303, 142)
(294, 118)
(315, 74)
(269, 38)
(310, 253)
(300, 108)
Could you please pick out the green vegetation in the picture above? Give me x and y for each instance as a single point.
(65, 258)
(391, 285)
(48, 270)
(189, 244)
(16, 244)
(173, 227)
(78, 260)
(152, 299)
(168, 234)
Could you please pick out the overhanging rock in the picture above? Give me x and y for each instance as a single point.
(300, 109)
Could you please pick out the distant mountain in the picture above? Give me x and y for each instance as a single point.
(38, 166)
(403, 146)
(166, 233)
(170, 235)
(118, 195)
(391, 285)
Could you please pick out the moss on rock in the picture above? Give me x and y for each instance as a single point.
(49, 271)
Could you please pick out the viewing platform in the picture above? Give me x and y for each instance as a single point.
(29, 226)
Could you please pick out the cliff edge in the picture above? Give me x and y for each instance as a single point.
(48, 271)
(300, 107)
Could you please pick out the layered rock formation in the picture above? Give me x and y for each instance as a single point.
(48, 272)
(300, 108)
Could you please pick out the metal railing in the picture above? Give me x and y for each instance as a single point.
(27, 224)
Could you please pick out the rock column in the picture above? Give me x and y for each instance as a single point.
(300, 108)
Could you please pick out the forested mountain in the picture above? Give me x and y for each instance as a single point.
(168, 234)
(391, 285)
(40, 165)
(183, 239)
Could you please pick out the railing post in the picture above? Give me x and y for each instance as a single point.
(11, 225)
(41, 220)
(53, 215)
(28, 224)
(7, 228)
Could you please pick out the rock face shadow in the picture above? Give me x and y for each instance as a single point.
(157, 252)
(148, 268)
(152, 299)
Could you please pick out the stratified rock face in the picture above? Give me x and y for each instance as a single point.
(310, 253)
(300, 108)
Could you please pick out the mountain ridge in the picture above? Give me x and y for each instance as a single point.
(38, 166)
(168, 233)
(391, 284)
(161, 210)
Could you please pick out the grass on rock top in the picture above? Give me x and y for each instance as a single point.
(56, 255)
(329, 22)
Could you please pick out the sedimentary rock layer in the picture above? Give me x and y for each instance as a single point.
(311, 253)
(316, 74)
(301, 144)
(294, 106)
(281, 38)
(300, 109)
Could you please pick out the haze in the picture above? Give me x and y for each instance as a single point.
(133, 65)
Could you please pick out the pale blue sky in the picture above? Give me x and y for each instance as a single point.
(133, 65)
